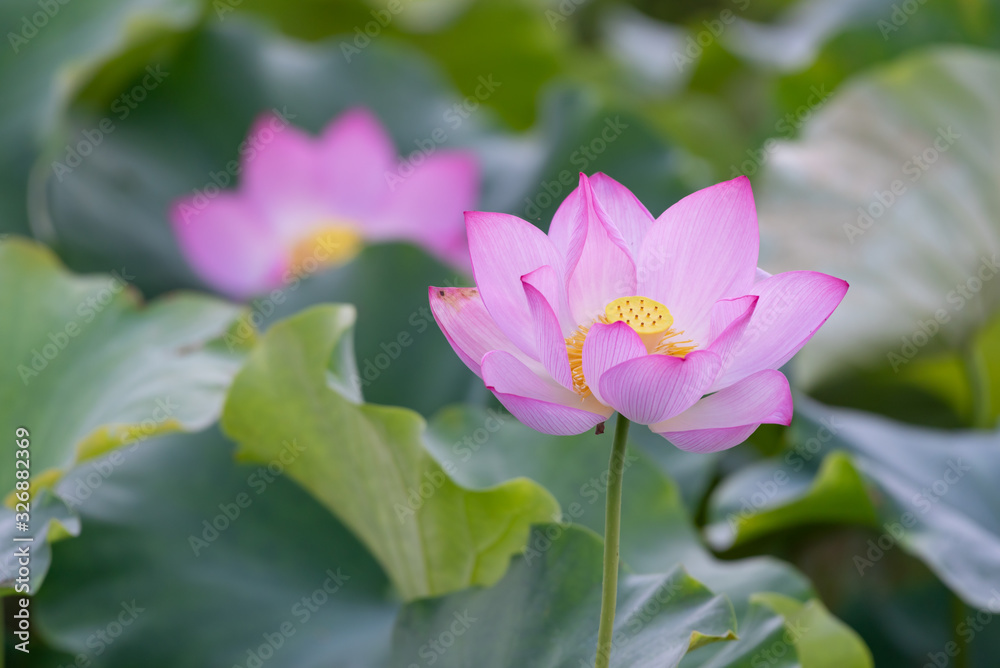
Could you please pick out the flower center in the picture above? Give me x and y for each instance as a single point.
(650, 319)
(330, 243)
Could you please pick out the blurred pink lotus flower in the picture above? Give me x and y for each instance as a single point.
(668, 320)
(306, 203)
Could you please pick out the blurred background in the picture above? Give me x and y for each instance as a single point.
(870, 130)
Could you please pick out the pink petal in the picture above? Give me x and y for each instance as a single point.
(549, 340)
(228, 245)
(468, 326)
(550, 283)
(700, 250)
(538, 403)
(598, 265)
(729, 416)
(761, 397)
(656, 387)
(504, 372)
(729, 321)
(504, 248)
(791, 308)
(426, 206)
(358, 160)
(725, 312)
(607, 346)
(282, 174)
(710, 440)
(550, 418)
(565, 228)
(624, 210)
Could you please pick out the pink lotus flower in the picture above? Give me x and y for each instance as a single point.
(309, 202)
(668, 321)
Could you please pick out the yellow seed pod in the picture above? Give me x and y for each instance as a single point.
(648, 317)
(644, 315)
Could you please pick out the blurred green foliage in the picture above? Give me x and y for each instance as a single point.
(820, 102)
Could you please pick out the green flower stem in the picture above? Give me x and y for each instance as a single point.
(958, 613)
(612, 531)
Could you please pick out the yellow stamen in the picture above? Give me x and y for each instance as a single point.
(574, 349)
(648, 317)
(673, 348)
(330, 243)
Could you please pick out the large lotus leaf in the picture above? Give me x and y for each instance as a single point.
(892, 186)
(50, 518)
(50, 48)
(693, 473)
(91, 369)
(945, 389)
(544, 613)
(189, 559)
(832, 492)
(484, 448)
(822, 640)
(930, 492)
(296, 401)
(901, 608)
